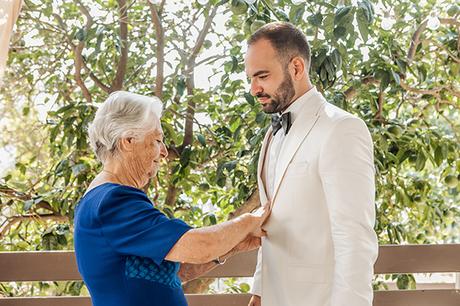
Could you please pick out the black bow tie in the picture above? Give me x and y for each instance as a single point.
(283, 121)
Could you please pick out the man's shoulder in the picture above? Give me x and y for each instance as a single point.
(333, 118)
(334, 114)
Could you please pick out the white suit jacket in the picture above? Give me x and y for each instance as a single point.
(321, 245)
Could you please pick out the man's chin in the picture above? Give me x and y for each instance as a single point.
(268, 109)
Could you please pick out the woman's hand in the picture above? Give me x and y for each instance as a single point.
(248, 244)
(258, 218)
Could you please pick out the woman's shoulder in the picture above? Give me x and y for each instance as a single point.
(114, 194)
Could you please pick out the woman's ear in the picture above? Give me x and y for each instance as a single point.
(298, 68)
(126, 144)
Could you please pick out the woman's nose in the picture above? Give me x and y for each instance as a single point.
(163, 150)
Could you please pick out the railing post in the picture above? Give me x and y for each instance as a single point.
(457, 280)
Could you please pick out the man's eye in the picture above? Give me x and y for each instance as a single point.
(263, 77)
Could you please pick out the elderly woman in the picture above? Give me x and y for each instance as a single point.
(128, 252)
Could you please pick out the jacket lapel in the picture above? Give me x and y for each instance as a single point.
(300, 129)
(260, 167)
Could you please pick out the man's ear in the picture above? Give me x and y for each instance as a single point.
(298, 68)
(126, 144)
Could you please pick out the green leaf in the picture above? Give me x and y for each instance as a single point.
(249, 98)
(420, 162)
(342, 15)
(209, 220)
(28, 204)
(296, 13)
(201, 139)
(180, 86)
(385, 80)
(281, 15)
(328, 23)
(244, 287)
(230, 165)
(315, 19)
(25, 111)
(402, 65)
(81, 34)
(363, 24)
(396, 77)
(340, 32)
(234, 64)
(368, 10)
(438, 155)
(336, 59)
(260, 117)
(323, 73)
(185, 157)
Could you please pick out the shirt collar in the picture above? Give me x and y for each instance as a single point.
(297, 106)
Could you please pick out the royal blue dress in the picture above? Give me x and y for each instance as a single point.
(121, 241)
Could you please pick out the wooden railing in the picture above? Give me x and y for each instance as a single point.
(60, 266)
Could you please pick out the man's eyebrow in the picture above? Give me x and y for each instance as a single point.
(260, 72)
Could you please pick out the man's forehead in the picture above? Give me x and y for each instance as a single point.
(260, 57)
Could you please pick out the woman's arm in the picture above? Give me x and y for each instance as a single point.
(189, 272)
(199, 246)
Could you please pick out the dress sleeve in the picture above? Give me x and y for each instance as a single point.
(132, 226)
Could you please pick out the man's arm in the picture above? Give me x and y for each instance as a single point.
(347, 173)
(256, 288)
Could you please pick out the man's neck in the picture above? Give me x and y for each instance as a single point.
(304, 89)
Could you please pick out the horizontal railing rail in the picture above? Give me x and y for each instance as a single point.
(61, 266)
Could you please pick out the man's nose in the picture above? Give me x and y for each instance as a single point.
(255, 88)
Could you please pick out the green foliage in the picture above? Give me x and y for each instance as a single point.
(408, 96)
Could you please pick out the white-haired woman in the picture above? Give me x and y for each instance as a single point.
(128, 252)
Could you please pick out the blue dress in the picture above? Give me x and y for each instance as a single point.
(121, 241)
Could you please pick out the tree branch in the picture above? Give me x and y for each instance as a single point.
(251, 203)
(34, 217)
(159, 79)
(415, 41)
(11, 193)
(117, 83)
(78, 53)
(352, 91)
(379, 116)
(190, 83)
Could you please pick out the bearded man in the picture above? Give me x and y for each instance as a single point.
(316, 169)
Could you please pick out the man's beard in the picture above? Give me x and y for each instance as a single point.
(281, 98)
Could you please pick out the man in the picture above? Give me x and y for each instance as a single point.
(316, 168)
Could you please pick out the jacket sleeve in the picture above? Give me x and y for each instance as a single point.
(256, 288)
(346, 169)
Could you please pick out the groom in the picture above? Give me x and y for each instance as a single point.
(316, 168)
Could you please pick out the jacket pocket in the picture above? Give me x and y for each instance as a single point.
(297, 169)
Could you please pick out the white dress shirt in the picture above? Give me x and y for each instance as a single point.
(276, 143)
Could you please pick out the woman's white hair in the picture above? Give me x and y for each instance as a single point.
(123, 114)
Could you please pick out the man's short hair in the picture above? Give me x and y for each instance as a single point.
(286, 39)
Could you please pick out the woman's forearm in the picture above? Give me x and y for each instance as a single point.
(190, 272)
(202, 245)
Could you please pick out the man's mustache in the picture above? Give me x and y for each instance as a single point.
(262, 95)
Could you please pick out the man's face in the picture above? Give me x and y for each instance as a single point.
(271, 83)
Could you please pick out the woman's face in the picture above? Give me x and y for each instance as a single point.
(147, 154)
(154, 150)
